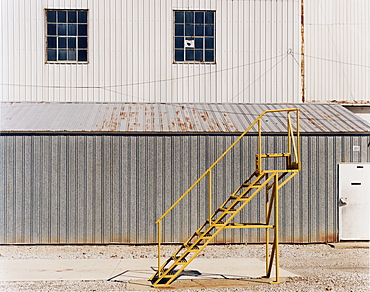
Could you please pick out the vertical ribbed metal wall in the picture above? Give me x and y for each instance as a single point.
(112, 188)
(337, 50)
(130, 55)
(131, 48)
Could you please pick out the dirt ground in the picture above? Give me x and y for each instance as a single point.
(320, 266)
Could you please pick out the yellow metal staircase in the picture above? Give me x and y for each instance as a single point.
(270, 180)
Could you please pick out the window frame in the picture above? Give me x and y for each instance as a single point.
(58, 37)
(194, 37)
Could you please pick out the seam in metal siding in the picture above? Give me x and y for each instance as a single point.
(104, 189)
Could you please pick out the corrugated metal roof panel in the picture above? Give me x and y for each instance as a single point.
(172, 117)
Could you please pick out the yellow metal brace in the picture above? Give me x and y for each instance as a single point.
(222, 217)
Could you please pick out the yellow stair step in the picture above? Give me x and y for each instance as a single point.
(239, 198)
(251, 185)
(179, 260)
(194, 248)
(226, 210)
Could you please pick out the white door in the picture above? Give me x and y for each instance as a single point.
(354, 201)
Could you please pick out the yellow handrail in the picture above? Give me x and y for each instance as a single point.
(296, 152)
(222, 155)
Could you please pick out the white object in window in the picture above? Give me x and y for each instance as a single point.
(189, 44)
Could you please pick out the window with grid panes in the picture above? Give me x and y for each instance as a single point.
(194, 36)
(66, 33)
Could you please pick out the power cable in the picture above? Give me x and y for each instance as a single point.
(333, 61)
(145, 82)
(258, 78)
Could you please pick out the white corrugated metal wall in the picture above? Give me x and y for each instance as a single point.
(130, 52)
(131, 48)
(337, 50)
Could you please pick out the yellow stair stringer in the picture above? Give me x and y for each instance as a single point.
(200, 239)
(220, 219)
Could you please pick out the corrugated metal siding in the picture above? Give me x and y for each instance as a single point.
(131, 48)
(130, 53)
(337, 50)
(110, 188)
(172, 118)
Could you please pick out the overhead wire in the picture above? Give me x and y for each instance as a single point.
(105, 87)
(290, 53)
(277, 63)
(333, 61)
(110, 87)
(147, 82)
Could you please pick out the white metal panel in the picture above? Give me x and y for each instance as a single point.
(130, 55)
(92, 42)
(166, 56)
(361, 111)
(14, 42)
(337, 50)
(24, 45)
(354, 200)
(364, 116)
(4, 49)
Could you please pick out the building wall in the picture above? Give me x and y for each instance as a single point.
(337, 47)
(131, 53)
(112, 188)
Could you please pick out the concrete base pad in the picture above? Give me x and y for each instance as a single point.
(198, 284)
(350, 244)
(129, 269)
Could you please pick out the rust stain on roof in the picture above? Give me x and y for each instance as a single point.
(204, 116)
(181, 125)
(189, 123)
(168, 117)
(110, 125)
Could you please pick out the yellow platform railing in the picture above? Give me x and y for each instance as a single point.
(293, 165)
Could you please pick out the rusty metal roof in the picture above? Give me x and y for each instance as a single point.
(171, 117)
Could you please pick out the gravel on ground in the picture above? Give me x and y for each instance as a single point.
(321, 267)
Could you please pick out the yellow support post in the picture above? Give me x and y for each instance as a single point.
(159, 248)
(289, 137)
(210, 196)
(298, 141)
(293, 141)
(259, 160)
(267, 230)
(276, 241)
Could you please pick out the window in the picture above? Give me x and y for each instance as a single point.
(66, 36)
(194, 36)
